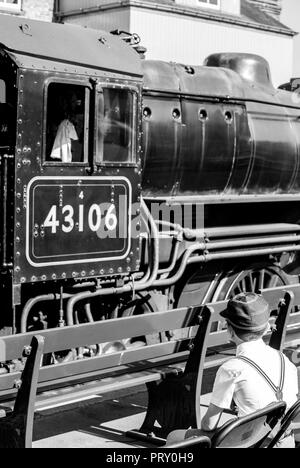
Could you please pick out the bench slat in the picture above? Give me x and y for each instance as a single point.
(273, 295)
(54, 376)
(59, 339)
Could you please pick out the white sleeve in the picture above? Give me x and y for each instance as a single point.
(224, 387)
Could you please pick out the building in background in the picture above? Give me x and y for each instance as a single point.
(271, 7)
(291, 16)
(33, 9)
(188, 31)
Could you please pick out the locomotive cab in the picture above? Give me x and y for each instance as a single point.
(70, 158)
(7, 111)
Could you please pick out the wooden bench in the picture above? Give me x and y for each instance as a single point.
(16, 426)
(174, 403)
(172, 369)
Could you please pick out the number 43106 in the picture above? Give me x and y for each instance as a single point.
(93, 216)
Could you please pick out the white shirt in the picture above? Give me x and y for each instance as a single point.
(236, 380)
(62, 148)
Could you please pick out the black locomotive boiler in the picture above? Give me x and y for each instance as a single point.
(132, 186)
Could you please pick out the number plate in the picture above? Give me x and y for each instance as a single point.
(77, 220)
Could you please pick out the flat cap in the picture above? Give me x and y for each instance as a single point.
(247, 312)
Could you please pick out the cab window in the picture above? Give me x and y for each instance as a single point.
(2, 92)
(6, 118)
(67, 123)
(116, 126)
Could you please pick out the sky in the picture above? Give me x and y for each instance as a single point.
(291, 17)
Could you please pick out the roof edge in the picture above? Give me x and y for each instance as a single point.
(181, 9)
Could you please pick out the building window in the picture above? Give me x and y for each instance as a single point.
(10, 4)
(210, 3)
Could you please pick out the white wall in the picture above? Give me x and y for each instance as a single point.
(69, 5)
(231, 7)
(106, 20)
(228, 6)
(190, 40)
(186, 39)
(291, 17)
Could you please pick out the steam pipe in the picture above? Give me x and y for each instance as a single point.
(206, 257)
(252, 242)
(173, 262)
(233, 244)
(88, 312)
(173, 279)
(246, 253)
(186, 260)
(32, 302)
(144, 283)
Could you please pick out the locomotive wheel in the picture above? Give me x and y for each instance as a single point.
(144, 304)
(209, 286)
(252, 280)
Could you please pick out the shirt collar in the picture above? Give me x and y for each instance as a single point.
(250, 346)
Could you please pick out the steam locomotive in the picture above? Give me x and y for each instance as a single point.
(132, 186)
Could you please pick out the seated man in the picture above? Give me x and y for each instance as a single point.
(247, 379)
